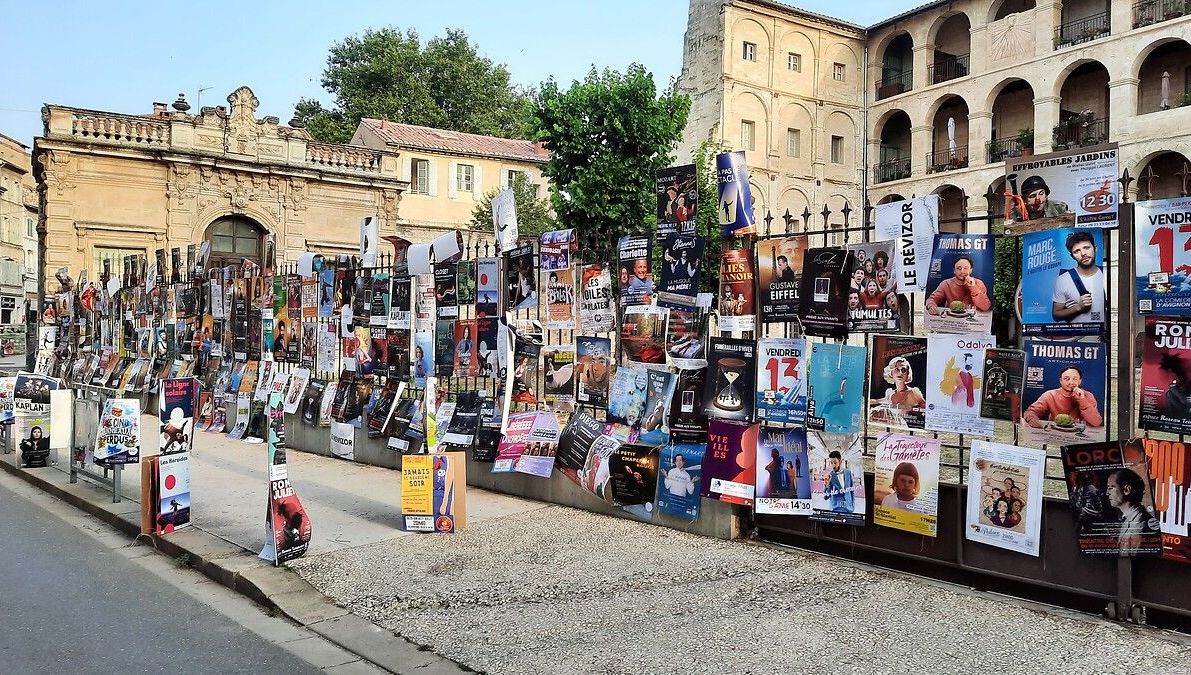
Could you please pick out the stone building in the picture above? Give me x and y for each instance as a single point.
(18, 217)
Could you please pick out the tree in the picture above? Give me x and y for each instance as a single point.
(707, 221)
(533, 213)
(388, 74)
(608, 136)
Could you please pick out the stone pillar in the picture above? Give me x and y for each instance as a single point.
(1122, 104)
(1120, 17)
(924, 55)
(1046, 116)
(1047, 17)
(920, 144)
(979, 134)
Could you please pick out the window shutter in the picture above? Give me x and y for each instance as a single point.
(433, 177)
(453, 180)
(406, 169)
(477, 182)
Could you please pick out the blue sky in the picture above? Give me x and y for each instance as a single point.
(122, 56)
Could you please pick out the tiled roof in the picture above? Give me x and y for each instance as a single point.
(455, 142)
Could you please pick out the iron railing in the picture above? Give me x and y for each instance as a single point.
(947, 160)
(949, 68)
(894, 84)
(893, 169)
(1149, 12)
(1080, 131)
(1082, 30)
(1001, 148)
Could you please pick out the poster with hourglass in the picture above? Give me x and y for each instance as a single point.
(728, 392)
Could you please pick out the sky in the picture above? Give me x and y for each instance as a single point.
(123, 56)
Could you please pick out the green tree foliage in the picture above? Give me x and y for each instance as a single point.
(707, 223)
(608, 136)
(388, 74)
(533, 212)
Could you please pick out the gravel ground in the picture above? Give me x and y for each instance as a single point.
(565, 591)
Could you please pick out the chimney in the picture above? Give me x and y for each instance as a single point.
(158, 109)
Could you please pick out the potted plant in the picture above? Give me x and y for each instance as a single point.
(1025, 137)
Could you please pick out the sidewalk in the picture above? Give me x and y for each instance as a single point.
(529, 587)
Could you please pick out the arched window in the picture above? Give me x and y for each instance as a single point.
(234, 238)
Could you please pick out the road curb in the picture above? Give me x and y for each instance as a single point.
(232, 566)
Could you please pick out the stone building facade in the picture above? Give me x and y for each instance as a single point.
(18, 217)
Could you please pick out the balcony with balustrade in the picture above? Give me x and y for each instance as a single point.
(1150, 12)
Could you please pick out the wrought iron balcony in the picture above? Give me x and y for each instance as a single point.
(1001, 148)
(949, 68)
(1080, 131)
(1082, 30)
(947, 160)
(894, 84)
(893, 169)
(1149, 12)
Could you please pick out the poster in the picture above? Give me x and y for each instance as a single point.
(728, 392)
(31, 394)
(343, 440)
(1162, 253)
(643, 336)
(835, 387)
(597, 306)
(736, 300)
(1063, 393)
(728, 464)
(822, 292)
(560, 299)
(465, 282)
(556, 248)
(575, 441)
(466, 362)
(287, 529)
(1166, 376)
(779, 271)
(1004, 506)
(735, 205)
(635, 253)
(837, 477)
(626, 405)
(522, 377)
(685, 346)
(504, 220)
(872, 291)
(634, 477)
(1003, 373)
(678, 200)
(688, 420)
(682, 258)
(781, 380)
(527, 432)
(897, 376)
(906, 483)
(445, 298)
(434, 492)
(1063, 285)
(521, 286)
(959, 286)
(176, 415)
(537, 458)
(32, 438)
(955, 373)
(118, 440)
(172, 510)
(311, 402)
(487, 287)
(1072, 188)
(295, 389)
(659, 394)
(1109, 488)
(1170, 470)
(558, 377)
(912, 225)
(593, 370)
(783, 472)
(679, 473)
(243, 412)
(8, 387)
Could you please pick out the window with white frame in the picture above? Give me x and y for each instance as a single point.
(419, 176)
(30, 228)
(837, 149)
(793, 143)
(839, 71)
(794, 62)
(750, 51)
(747, 129)
(464, 174)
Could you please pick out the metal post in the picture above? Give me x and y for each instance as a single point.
(1125, 418)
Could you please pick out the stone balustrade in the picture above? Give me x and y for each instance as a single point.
(120, 128)
(343, 157)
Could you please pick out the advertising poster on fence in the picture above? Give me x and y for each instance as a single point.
(1004, 507)
(176, 414)
(959, 286)
(172, 481)
(823, 292)
(287, 528)
(119, 438)
(872, 289)
(912, 225)
(728, 473)
(311, 400)
(636, 276)
(560, 299)
(643, 336)
(835, 387)
(1072, 188)
(682, 257)
(558, 377)
(783, 475)
(1166, 375)
(1109, 488)
(684, 339)
(678, 200)
(521, 284)
(1003, 375)
(445, 297)
(8, 386)
(593, 370)
(31, 395)
(513, 442)
(955, 373)
(434, 492)
(634, 477)
(837, 477)
(659, 394)
(487, 287)
(728, 391)
(688, 420)
(679, 474)
(897, 375)
(626, 407)
(1063, 284)
(1063, 395)
(736, 300)
(597, 306)
(781, 380)
(555, 249)
(537, 458)
(779, 268)
(906, 483)
(465, 282)
(343, 440)
(735, 205)
(504, 220)
(1170, 469)
(466, 362)
(575, 441)
(1162, 249)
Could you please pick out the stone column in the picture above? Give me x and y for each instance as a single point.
(979, 134)
(1046, 116)
(1122, 103)
(920, 144)
(1047, 17)
(924, 55)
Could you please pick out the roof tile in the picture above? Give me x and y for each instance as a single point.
(442, 140)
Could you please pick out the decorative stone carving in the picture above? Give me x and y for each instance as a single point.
(388, 204)
(60, 169)
(244, 131)
(1012, 36)
(297, 194)
(183, 183)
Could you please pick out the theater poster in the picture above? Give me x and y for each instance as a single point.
(736, 300)
(1004, 507)
(575, 441)
(1071, 188)
(960, 284)
(171, 474)
(728, 391)
(643, 336)
(783, 472)
(823, 292)
(634, 477)
(558, 377)
(688, 420)
(912, 225)
(781, 380)
(1166, 375)
(906, 483)
(955, 389)
(560, 299)
(728, 473)
(872, 289)
(835, 387)
(678, 200)
(685, 346)
(537, 458)
(680, 472)
(487, 287)
(593, 371)
(897, 378)
(1063, 286)
(1003, 373)
(682, 259)
(555, 249)
(1162, 250)
(1111, 497)
(779, 269)
(287, 526)
(597, 306)
(837, 478)
(1063, 395)
(735, 205)
(635, 253)
(118, 440)
(1170, 470)
(521, 284)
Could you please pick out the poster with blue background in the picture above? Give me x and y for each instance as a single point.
(680, 467)
(835, 387)
(735, 204)
(1063, 284)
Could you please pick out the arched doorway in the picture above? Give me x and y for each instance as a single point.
(1084, 109)
(952, 47)
(949, 137)
(1012, 121)
(234, 238)
(897, 67)
(951, 208)
(893, 160)
(1164, 78)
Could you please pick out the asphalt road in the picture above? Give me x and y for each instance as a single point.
(70, 605)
